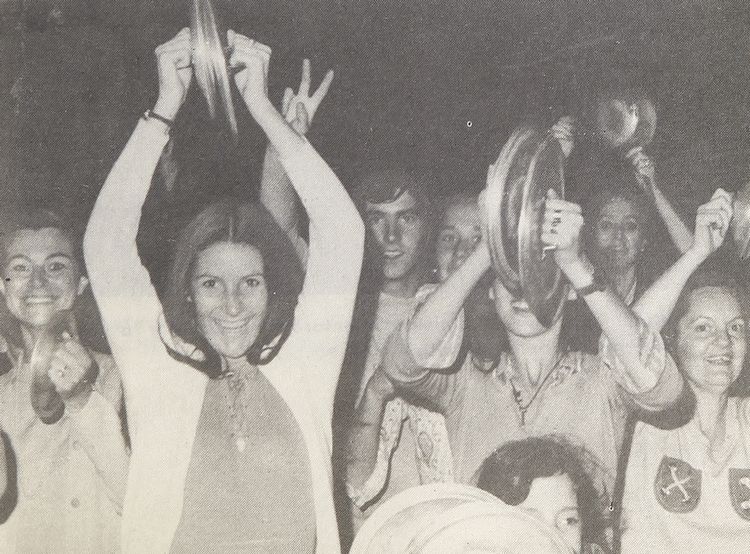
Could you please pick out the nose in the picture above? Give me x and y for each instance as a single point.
(233, 304)
(722, 338)
(38, 277)
(392, 231)
(463, 250)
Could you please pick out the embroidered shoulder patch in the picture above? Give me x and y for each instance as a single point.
(677, 485)
(739, 491)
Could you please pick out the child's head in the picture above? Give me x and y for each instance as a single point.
(544, 476)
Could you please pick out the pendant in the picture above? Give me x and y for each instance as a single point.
(241, 444)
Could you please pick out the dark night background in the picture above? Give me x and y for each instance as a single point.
(423, 83)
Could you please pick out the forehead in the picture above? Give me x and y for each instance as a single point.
(38, 243)
(229, 258)
(618, 208)
(715, 302)
(461, 214)
(547, 492)
(403, 203)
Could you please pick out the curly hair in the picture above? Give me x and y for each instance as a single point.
(229, 220)
(509, 471)
(716, 275)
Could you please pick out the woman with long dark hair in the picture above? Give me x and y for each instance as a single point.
(230, 393)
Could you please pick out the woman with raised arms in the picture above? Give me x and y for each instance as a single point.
(232, 436)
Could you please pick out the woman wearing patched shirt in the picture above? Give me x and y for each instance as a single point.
(688, 489)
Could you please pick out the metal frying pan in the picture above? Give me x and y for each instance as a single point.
(624, 119)
(544, 287)
(503, 200)
(530, 163)
(210, 62)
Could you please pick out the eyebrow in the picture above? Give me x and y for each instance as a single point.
(54, 255)
(212, 276)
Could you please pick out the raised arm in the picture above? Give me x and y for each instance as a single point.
(711, 226)
(681, 236)
(562, 226)
(276, 191)
(323, 315)
(433, 321)
(122, 286)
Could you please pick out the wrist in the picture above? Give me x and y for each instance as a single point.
(695, 256)
(166, 108)
(261, 109)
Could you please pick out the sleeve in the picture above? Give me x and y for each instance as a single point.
(440, 390)
(323, 315)
(122, 286)
(446, 353)
(654, 358)
(98, 429)
(390, 433)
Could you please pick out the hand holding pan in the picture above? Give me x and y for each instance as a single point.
(62, 369)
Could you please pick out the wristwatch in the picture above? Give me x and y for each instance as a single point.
(598, 284)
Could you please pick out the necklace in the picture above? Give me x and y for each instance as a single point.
(523, 408)
(236, 383)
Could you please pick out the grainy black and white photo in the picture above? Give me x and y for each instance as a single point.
(374, 276)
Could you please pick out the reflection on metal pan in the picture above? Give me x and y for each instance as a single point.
(503, 200)
(544, 287)
(210, 62)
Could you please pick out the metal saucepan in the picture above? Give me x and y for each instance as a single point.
(530, 164)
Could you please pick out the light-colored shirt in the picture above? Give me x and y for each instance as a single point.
(585, 399)
(164, 397)
(69, 490)
(683, 496)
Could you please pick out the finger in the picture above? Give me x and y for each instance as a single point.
(556, 204)
(322, 90)
(302, 115)
(634, 152)
(304, 83)
(288, 95)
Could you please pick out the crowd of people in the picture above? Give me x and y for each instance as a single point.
(314, 355)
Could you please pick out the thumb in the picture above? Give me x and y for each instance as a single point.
(552, 194)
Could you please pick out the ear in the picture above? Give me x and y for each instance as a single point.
(491, 292)
(83, 282)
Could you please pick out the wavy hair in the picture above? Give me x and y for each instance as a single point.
(717, 275)
(510, 470)
(229, 220)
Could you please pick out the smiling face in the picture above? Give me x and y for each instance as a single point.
(618, 237)
(459, 234)
(400, 231)
(711, 340)
(41, 275)
(553, 500)
(230, 295)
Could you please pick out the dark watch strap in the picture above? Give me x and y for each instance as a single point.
(599, 284)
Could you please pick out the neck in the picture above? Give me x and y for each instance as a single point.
(237, 365)
(711, 411)
(405, 287)
(623, 281)
(30, 337)
(535, 356)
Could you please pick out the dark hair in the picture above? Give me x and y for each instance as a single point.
(383, 187)
(711, 275)
(229, 220)
(89, 326)
(509, 471)
(12, 221)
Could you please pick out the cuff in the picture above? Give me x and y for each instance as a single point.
(390, 431)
